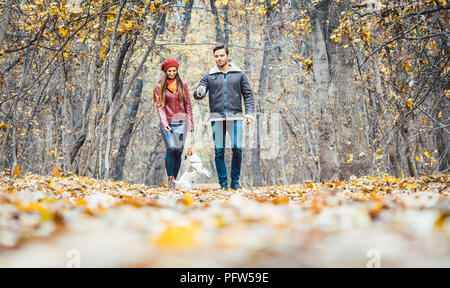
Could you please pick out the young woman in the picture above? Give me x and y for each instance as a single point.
(173, 103)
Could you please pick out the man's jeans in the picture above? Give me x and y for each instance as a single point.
(219, 129)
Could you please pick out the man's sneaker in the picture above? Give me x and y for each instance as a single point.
(224, 187)
(235, 186)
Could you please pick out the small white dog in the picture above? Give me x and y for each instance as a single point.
(195, 168)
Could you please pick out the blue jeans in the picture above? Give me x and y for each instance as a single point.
(219, 129)
(174, 141)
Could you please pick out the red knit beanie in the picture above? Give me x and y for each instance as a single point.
(169, 63)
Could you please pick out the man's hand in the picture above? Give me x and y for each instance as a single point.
(200, 90)
(167, 128)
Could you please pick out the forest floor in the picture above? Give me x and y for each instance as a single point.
(54, 221)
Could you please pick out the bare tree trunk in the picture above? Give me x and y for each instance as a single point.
(328, 154)
(409, 155)
(282, 154)
(226, 28)
(442, 137)
(256, 153)
(247, 40)
(186, 19)
(5, 21)
(393, 156)
(66, 129)
(129, 119)
(13, 114)
(350, 133)
(111, 83)
(351, 136)
(219, 33)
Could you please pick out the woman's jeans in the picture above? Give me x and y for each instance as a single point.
(219, 129)
(174, 141)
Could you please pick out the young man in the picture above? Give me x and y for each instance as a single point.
(227, 84)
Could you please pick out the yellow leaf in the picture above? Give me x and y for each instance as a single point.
(350, 158)
(410, 103)
(411, 186)
(417, 159)
(177, 237)
(188, 199)
(35, 206)
(427, 154)
(220, 222)
(63, 31)
(439, 223)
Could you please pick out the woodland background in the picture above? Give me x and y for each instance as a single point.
(361, 86)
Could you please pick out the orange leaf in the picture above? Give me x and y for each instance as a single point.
(56, 171)
(406, 66)
(280, 200)
(17, 172)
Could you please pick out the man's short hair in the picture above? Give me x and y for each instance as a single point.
(221, 46)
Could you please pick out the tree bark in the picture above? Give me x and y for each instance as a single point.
(129, 119)
(328, 154)
(393, 156)
(409, 155)
(186, 20)
(5, 21)
(219, 33)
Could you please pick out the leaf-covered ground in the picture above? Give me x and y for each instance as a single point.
(400, 222)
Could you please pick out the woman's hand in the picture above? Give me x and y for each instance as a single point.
(189, 151)
(167, 128)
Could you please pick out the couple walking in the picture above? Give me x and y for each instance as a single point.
(227, 85)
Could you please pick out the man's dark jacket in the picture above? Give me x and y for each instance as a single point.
(225, 94)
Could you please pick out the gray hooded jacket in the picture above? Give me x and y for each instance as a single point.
(225, 94)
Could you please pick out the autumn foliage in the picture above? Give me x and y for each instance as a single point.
(311, 224)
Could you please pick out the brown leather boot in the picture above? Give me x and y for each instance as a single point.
(170, 182)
